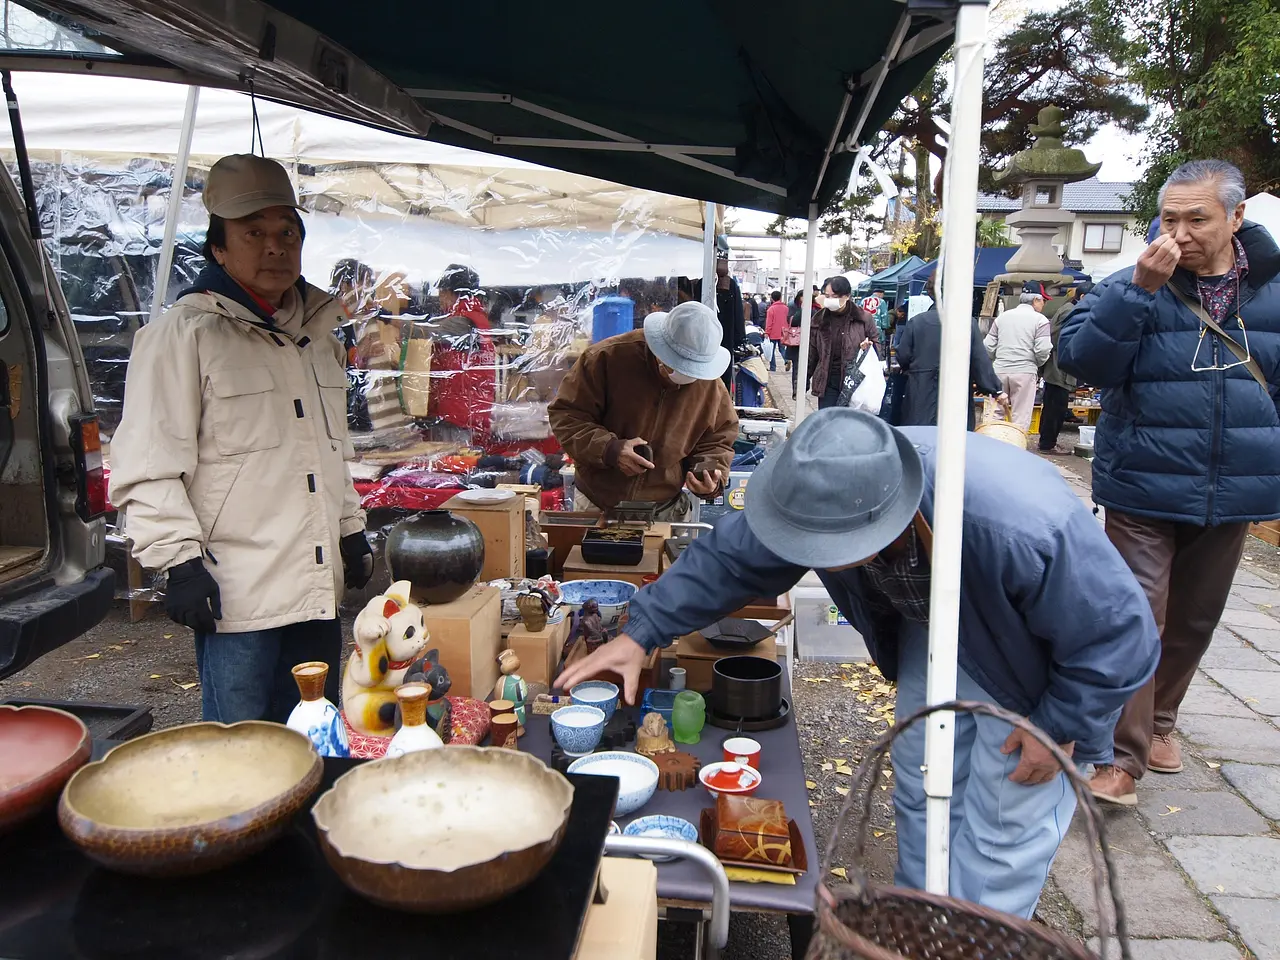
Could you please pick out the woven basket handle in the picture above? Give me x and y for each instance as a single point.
(868, 775)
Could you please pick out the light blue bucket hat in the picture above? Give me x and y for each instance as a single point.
(688, 340)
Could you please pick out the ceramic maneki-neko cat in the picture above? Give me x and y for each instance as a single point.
(391, 649)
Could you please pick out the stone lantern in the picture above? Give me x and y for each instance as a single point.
(1043, 171)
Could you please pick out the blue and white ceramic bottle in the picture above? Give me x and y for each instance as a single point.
(315, 717)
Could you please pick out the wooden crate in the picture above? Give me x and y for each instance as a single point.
(625, 926)
(1268, 530)
(502, 525)
(539, 652)
(575, 568)
(697, 657)
(468, 634)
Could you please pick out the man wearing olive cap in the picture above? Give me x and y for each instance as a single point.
(230, 463)
(1052, 624)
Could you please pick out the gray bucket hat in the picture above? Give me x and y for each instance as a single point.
(688, 340)
(842, 488)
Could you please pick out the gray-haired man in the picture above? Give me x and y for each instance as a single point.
(1019, 343)
(1186, 345)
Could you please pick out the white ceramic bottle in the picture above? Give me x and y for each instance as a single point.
(415, 733)
(315, 717)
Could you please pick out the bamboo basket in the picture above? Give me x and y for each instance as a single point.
(1001, 427)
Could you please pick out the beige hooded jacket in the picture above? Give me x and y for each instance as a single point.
(233, 447)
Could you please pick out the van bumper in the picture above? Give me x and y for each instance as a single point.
(35, 623)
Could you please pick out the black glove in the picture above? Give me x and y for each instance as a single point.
(192, 598)
(357, 559)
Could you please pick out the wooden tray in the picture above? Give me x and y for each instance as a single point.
(799, 856)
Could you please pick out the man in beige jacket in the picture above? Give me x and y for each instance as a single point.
(229, 465)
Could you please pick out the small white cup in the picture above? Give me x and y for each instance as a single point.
(677, 675)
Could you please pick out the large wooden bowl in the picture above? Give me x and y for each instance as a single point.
(189, 799)
(40, 748)
(439, 831)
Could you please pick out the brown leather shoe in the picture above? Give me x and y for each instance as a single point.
(1166, 754)
(1113, 785)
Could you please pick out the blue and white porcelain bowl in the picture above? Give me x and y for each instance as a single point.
(637, 776)
(611, 595)
(661, 827)
(578, 728)
(596, 693)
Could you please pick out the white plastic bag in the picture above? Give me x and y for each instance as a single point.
(869, 394)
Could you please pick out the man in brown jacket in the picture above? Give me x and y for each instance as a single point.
(662, 383)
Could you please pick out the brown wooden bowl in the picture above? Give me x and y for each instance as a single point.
(40, 748)
(189, 799)
(441, 831)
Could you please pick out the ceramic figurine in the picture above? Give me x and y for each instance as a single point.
(511, 685)
(592, 625)
(390, 635)
(688, 715)
(427, 671)
(415, 733)
(315, 716)
(653, 737)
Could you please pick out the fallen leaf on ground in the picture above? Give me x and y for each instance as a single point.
(188, 685)
(828, 766)
(92, 656)
(1250, 699)
(845, 740)
(843, 791)
(847, 666)
(1171, 810)
(114, 646)
(810, 784)
(840, 872)
(1211, 765)
(1221, 888)
(844, 769)
(168, 636)
(877, 834)
(157, 676)
(816, 679)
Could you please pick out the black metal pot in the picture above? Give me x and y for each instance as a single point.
(439, 553)
(746, 688)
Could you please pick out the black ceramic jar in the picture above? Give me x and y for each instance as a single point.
(439, 553)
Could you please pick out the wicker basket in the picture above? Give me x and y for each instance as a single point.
(1000, 427)
(862, 921)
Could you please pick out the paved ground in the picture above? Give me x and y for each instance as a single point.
(1199, 859)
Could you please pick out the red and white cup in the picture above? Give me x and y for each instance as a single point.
(742, 750)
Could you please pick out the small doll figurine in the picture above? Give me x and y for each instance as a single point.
(592, 625)
(511, 686)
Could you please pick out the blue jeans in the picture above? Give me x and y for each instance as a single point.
(1004, 835)
(246, 676)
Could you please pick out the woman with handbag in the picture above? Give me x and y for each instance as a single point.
(789, 337)
(839, 331)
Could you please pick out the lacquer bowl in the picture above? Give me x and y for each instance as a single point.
(40, 748)
(440, 831)
(189, 799)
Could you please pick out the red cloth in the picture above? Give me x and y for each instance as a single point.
(462, 381)
(383, 493)
(775, 320)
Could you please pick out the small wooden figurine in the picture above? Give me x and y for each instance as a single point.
(592, 625)
(653, 738)
(511, 686)
(677, 771)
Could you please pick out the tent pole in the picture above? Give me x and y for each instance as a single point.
(175, 202)
(960, 222)
(709, 255)
(806, 308)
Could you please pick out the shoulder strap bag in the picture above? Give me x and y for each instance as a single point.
(1240, 352)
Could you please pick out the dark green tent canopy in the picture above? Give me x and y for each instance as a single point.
(748, 103)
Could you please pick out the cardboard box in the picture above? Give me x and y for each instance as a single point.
(575, 568)
(697, 656)
(625, 926)
(539, 652)
(468, 634)
(502, 525)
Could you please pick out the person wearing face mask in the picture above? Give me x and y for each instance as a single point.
(644, 416)
(839, 331)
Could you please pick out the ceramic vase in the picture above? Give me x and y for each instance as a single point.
(439, 553)
(688, 714)
(315, 716)
(415, 733)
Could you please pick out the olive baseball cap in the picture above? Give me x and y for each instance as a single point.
(243, 183)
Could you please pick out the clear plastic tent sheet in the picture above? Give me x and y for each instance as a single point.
(470, 290)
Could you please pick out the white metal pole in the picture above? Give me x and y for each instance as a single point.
(806, 308)
(960, 222)
(175, 202)
(709, 255)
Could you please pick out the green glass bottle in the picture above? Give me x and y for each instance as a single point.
(688, 714)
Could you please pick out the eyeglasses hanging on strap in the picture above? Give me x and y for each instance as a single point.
(1238, 349)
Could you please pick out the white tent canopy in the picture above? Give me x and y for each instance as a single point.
(394, 202)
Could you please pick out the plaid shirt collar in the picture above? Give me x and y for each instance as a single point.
(901, 583)
(1219, 297)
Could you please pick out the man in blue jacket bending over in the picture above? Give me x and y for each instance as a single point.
(1052, 623)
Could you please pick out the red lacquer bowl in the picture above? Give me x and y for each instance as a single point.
(40, 748)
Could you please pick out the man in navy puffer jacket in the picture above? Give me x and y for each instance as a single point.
(1188, 447)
